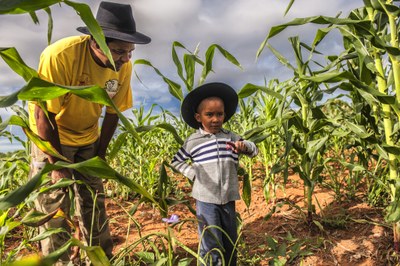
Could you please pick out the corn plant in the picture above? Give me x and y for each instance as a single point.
(369, 69)
(306, 128)
(270, 148)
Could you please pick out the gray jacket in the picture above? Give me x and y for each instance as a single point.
(207, 160)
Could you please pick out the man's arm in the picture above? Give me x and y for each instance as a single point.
(48, 130)
(108, 128)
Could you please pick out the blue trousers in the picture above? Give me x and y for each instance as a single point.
(212, 238)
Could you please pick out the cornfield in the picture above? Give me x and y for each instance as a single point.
(334, 123)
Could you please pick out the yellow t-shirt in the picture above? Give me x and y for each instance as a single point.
(69, 62)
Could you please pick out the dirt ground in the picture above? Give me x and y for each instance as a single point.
(344, 233)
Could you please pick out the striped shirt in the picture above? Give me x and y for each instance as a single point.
(207, 160)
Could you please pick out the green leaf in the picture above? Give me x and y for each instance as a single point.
(353, 167)
(280, 57)
(185, 262)
(315, 146)
(392, 149)
(52, 258)
(49, 25)
(359, 130)
(314, 20)
(246, 190)
(173, 87)
(7, 101)
(330, 77)
(16, 63)
(393, 212)
(381, 152)
(94, 167)
(176, 60)
(35, 218)
(99, 168)
(289, 6)
(189, 61)
(146, 257)
(171, 129)
(250, 89)
(96, 254)
(8, 227)
(48, 232)
(23, 6)
(42, 90)
(118, 143)
(43, 145)
(209, 60)
(18, 195)
(162, 189)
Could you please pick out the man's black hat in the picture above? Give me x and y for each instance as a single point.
(117, 22)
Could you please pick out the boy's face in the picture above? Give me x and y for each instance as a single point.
(211, 114)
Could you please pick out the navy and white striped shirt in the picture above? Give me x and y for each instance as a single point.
(207, 160)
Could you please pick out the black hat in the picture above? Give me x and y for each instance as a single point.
(117, 22)
(215, 89)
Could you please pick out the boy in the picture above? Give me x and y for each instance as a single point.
(213, 154)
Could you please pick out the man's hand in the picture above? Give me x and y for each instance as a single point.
(56, 175)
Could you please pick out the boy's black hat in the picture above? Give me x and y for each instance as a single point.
(118, 23)
(214, 89)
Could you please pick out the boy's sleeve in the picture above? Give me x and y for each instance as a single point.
(180, 163)
(251, 147)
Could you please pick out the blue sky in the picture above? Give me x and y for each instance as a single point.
(239, 26)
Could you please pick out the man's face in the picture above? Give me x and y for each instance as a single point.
(121, 52)
(211, 114)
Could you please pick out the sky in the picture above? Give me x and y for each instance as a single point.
(239, 26)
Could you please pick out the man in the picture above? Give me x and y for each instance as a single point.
(72, 123)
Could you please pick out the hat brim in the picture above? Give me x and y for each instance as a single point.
(137, 37)
(215, 89)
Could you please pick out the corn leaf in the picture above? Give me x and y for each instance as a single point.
(250, 89)
(99, 168)
(246, 190)
(359, 130)
(23, 6)
(48, 232)
(189, 61)
(94, 167)
(209, 59)
(16, 63)
(315, 146)
(314, 20)
(18, 195)
(35, 218)
(96, 254)
(173, 87)
(40, 90)
(43, 145)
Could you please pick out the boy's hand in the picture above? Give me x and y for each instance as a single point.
(238, 146)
